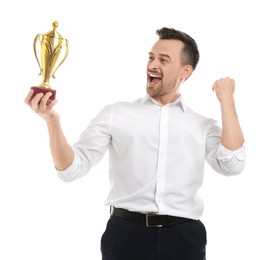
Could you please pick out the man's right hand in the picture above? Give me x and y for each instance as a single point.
(39, 105)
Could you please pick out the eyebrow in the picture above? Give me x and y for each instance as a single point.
(161, 54)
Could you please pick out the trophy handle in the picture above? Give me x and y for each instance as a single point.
(34, 46)
(65, 56)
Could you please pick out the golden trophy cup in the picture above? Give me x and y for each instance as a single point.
(54, 50)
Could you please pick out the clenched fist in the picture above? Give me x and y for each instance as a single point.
(224, 88)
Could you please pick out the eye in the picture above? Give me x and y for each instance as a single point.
(151, 58)
(163, 61)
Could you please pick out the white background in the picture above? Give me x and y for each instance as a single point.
(44, 218)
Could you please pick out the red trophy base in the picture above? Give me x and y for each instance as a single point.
(38, 90)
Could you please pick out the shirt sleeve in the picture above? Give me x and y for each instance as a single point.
(91, 146)
(220, 158)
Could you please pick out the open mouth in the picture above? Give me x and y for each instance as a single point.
(153, 78)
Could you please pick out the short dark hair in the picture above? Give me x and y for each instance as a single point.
(190, 52)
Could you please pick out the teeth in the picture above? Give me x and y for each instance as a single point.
(153, 75)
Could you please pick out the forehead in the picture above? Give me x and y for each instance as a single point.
(169, 47)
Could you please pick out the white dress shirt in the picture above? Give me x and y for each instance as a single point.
(156, 155)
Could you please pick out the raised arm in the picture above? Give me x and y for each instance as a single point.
(232, 136)
(61, 151)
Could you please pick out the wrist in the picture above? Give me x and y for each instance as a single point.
(52, 121)
(227, 101)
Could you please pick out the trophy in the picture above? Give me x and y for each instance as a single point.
(52, 55)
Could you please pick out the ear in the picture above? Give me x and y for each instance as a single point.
(186, 71)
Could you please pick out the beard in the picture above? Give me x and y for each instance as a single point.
(155, 91)
(159, 90)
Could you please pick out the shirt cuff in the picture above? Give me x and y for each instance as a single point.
(71, 172)
(224, 154)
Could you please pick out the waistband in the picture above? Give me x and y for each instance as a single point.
(150, 220)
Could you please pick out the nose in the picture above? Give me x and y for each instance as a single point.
(153, 64)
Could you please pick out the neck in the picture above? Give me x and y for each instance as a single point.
(167, 99)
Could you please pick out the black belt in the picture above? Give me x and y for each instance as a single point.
(150, 220)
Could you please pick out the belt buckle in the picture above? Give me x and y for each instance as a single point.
(147, 224)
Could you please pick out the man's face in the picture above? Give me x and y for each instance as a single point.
(164, 69)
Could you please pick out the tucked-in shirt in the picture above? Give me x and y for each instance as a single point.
(157, 155)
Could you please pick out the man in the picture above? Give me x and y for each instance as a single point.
(157, 148)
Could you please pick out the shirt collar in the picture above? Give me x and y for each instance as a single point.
(179, 101)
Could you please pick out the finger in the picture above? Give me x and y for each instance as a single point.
(28, 97)
(35, 101)
(44, 101)
(52, 104)
(214, 85)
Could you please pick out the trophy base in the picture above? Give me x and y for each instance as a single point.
(38, 90)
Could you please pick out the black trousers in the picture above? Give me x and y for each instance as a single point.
(125, 240)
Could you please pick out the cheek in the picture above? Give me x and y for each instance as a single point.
(172, 75)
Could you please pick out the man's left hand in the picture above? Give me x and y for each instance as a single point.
(224, 89)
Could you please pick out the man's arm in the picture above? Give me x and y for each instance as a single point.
(61, 151)
(232, 136)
